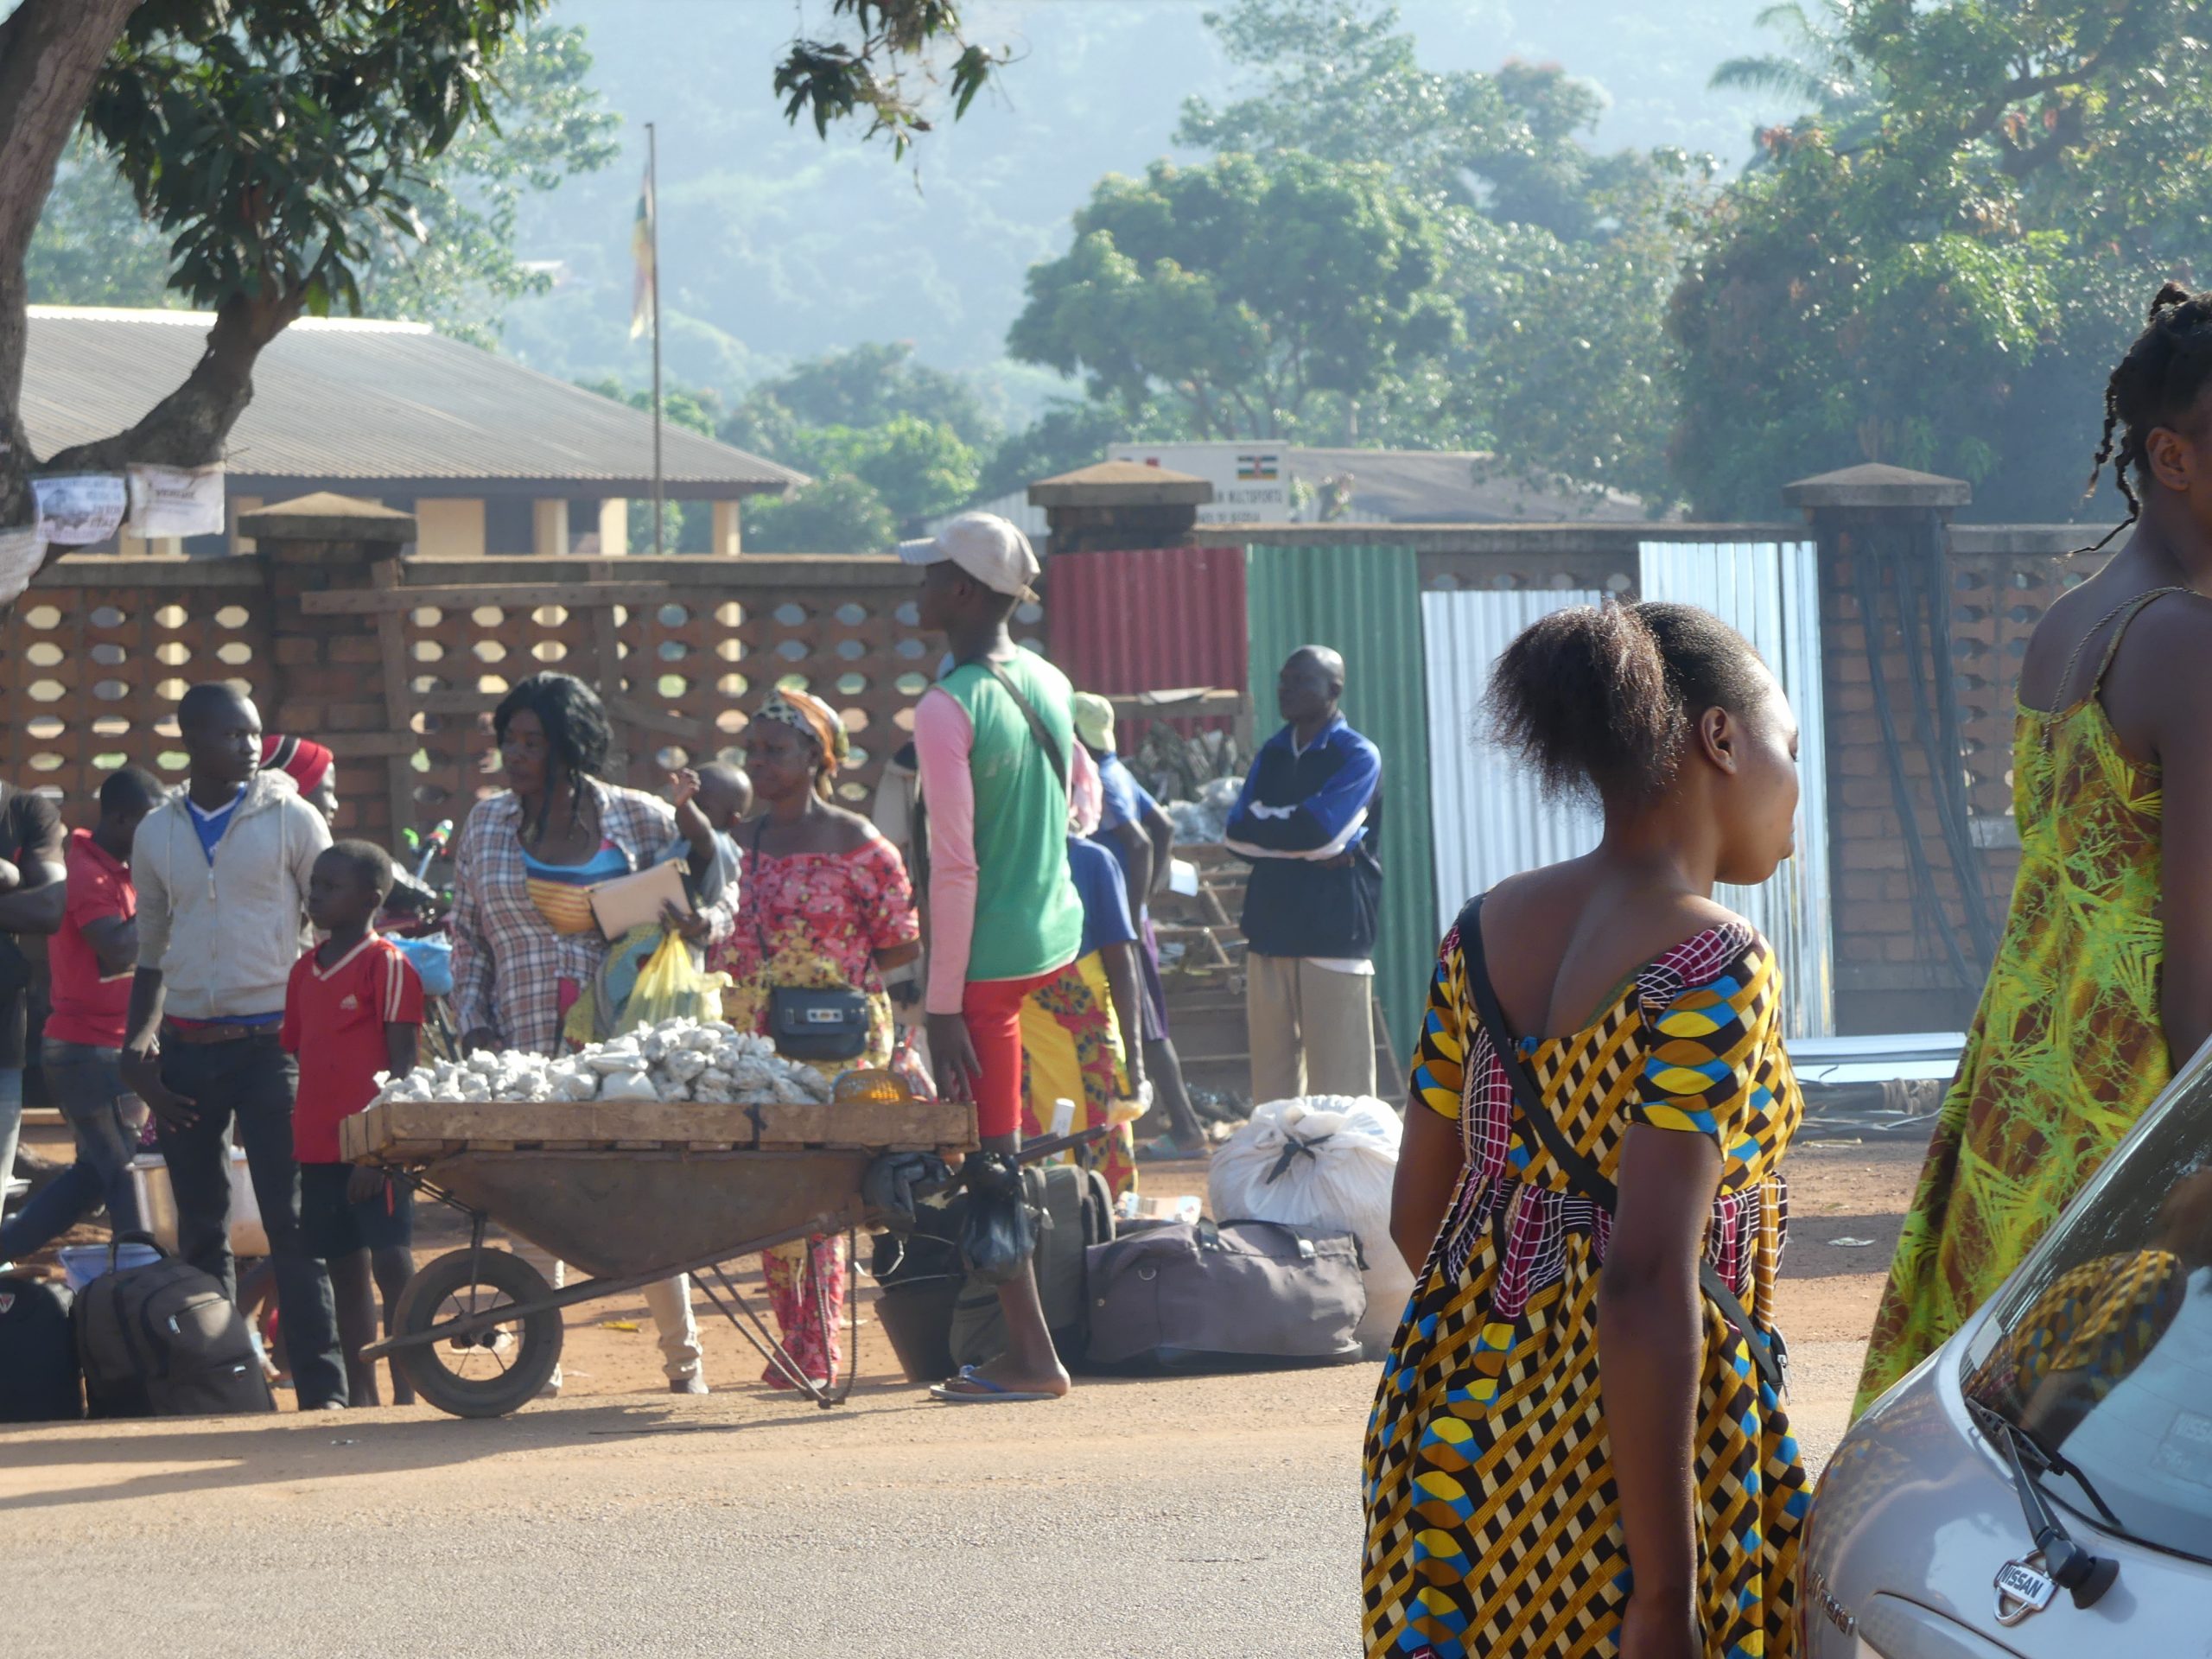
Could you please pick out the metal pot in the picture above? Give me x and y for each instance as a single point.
(149, 1176)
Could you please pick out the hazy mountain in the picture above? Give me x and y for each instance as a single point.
(776, 244)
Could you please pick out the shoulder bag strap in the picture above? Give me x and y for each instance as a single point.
(1036, 722)
(1584, 1175)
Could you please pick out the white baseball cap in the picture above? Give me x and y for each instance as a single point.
(985, 546)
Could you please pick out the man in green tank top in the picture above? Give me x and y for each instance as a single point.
(994, 739)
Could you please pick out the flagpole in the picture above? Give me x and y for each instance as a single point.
(652, 230)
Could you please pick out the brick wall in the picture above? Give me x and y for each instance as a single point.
(93, 657)
(1894, 968)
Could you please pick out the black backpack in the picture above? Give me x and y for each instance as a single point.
(39, 1380)
(163, 1341)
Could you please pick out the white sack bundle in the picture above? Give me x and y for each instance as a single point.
(1325, 1162)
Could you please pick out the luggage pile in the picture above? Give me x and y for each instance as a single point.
(1146, 1295)
(157, 1339)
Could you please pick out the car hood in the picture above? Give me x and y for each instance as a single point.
(1915, 1517)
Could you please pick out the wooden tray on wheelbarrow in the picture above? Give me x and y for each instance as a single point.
(408, 1133)
(629, 1191)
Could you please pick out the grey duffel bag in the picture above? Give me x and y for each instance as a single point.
(1194, 1296)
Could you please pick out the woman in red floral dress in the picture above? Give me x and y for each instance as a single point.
(825, 905)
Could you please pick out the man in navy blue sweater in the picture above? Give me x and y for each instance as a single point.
(1310, 819)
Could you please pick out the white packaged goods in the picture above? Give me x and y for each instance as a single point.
(677, 1060)
(1322, 1161)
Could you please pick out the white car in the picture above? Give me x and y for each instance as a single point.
(2042, 1487)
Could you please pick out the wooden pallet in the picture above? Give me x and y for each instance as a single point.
(412, 1132)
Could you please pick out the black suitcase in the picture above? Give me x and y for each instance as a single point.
(38, 1379)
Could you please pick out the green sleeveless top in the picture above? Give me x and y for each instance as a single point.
(2069, 1046)
(1028, 920)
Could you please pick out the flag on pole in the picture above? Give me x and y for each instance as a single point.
(641, 251)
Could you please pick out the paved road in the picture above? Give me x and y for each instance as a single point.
(1216, 1517)
(726, 1526)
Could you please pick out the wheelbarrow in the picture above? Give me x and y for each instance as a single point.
(629, 1193)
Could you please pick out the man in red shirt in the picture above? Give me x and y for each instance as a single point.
(354, 1008)
(90, 962)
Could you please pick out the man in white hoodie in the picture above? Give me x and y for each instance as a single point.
(221, 869)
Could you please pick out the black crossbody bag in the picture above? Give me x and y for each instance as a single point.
(807, 1023)
(1767, 1351)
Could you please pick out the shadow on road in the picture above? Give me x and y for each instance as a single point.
(101, 1462)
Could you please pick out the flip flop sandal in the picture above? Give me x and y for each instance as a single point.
(1166, 1149)
(981, 1391)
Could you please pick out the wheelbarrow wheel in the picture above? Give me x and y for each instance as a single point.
(496, 1370)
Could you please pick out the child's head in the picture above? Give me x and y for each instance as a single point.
(348, 886)
(725, 794)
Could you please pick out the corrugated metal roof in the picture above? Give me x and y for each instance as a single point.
(378, 402)
(1450, 485)
(1770, 593)
(1154, 619)
(1365, 602)
(1490, 819)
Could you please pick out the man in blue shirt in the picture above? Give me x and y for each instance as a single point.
(1310, 819)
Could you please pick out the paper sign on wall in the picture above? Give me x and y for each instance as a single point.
(175, 500)
(21, 553)
(78, 511)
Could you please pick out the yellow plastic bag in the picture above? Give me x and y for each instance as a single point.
(672, 986)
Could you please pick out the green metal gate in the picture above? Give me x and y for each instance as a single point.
(1364, 601)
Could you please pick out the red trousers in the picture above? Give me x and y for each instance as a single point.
(992, 1008)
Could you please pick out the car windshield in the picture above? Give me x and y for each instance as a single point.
(2101, 1346)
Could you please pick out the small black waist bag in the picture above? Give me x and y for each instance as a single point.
(806, 1024)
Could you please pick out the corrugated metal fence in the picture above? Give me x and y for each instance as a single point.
(1770, 593)
(1364, 602)
(1148, 619)
(1490, 819)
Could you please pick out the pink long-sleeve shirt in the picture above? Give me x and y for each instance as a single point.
(945, 738)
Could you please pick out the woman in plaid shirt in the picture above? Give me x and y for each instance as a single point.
(526, 944)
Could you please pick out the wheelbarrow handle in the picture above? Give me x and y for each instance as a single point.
(1052, 1146)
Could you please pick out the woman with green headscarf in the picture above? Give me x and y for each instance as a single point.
(825, 905)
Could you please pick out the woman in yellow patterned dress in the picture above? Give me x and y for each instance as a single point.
(2102, 983)
(1573, 1451)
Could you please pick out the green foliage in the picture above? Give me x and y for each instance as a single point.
(874, 68)
(865, 385)
(694, 408)
(1069, 434)
(543, 123)
(917, 468)
(1336, 79)
(91, 247)
(276, 143)
(1556, 260)
(1249, 294)
(1946, 286)
(831, 515)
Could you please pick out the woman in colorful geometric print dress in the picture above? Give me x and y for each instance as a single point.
(1572, 1450)
(2102, 984)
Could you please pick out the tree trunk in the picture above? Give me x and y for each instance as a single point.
(50, 55)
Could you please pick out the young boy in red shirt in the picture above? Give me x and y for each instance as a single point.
(354, 1008)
